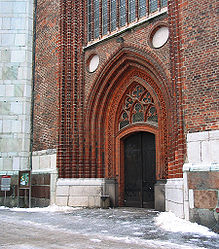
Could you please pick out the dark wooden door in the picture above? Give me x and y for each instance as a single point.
(139, 165)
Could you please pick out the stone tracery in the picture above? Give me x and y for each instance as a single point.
(138, 106)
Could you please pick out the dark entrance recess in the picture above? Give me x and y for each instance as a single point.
(140, 170)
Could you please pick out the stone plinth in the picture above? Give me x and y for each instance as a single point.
(86, 192)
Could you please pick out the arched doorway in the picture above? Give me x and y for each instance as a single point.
(129, 96)
(139, 169)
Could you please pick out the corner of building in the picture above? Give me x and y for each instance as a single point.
(201, 178)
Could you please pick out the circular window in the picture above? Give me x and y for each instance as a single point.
(93, 63)
(160, 37)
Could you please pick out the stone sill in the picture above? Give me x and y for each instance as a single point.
(40, 171)
(200, 167)
(44, 171)
(83, 181)
(44, 152)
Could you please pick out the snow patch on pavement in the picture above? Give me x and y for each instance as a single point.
(138, 233)
(51, 208)
(169, 222)
(96, 240)
(22, 247)
(3, 207)
(152, 243)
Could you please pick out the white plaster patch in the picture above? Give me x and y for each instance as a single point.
(93, 64)
(160, 37)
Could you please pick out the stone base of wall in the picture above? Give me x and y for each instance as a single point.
(174, 200)
(44, 163)
(86, 192)
(44, 160)
(201, 178)
(203, 195)
(159, 195)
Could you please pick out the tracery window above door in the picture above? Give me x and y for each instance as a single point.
(138, 106)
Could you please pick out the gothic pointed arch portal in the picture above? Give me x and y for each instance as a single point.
(135, 107)
(128, 102)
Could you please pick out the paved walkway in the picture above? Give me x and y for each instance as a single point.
(94, 228)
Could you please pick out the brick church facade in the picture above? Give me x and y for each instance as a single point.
(124, 105)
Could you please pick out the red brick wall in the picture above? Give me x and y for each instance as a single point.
(181, 59)
(199, 46)
(75, 83)
(70, 145)
(46, 75)
(177, 144)
(138, 37)
(80, 148)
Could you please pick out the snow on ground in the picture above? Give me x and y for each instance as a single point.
(51, 208)
(165, 220)
(155, 244)
(169, 222)
(120, 227)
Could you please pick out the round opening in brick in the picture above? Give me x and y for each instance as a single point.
(159, 36)
(93, 63)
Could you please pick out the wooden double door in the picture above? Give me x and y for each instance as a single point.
(139, 170)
